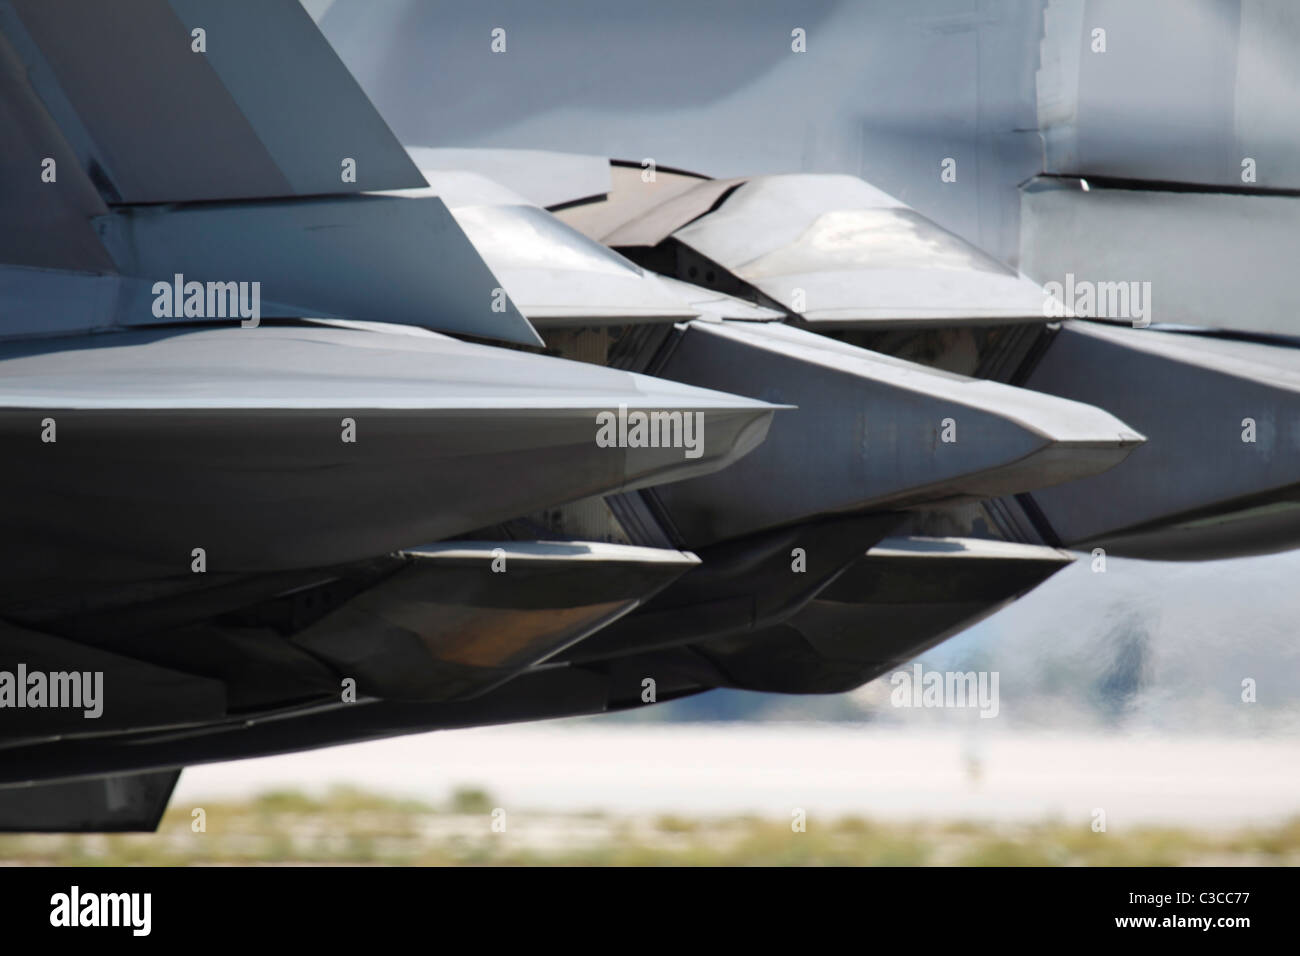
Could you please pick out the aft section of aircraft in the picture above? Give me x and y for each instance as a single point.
(312, 435)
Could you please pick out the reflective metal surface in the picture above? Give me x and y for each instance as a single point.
(869, 432)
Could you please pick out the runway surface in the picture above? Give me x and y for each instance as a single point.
(841, 769)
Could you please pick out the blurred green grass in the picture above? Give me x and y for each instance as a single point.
(351, 826)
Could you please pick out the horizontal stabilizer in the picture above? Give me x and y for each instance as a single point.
(283, 447)
(871, 431)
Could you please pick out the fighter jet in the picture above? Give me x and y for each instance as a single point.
(331, 412)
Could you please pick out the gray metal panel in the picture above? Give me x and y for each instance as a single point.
(462, 187)
(551, 272)
(841, 252)
(1212, 259)
(258, 668)
(545, 178)
(126, 802)
(867, 431)
(362, 257)
(918, 569)
(149, 141)
(681, 207)
(131, 693)
(44, 302)
(230, 123)
(310, 367)
(304, 105)
(710, 302)
(231, 440)
(741, 586)
(454, 623)
(1183, 92)
(903, 597)
(46, 224)
(1195, 489)
(555, 275)
(552, 692)
(632, 193)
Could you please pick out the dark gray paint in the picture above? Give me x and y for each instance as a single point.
(230, 440)
(121, 803)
